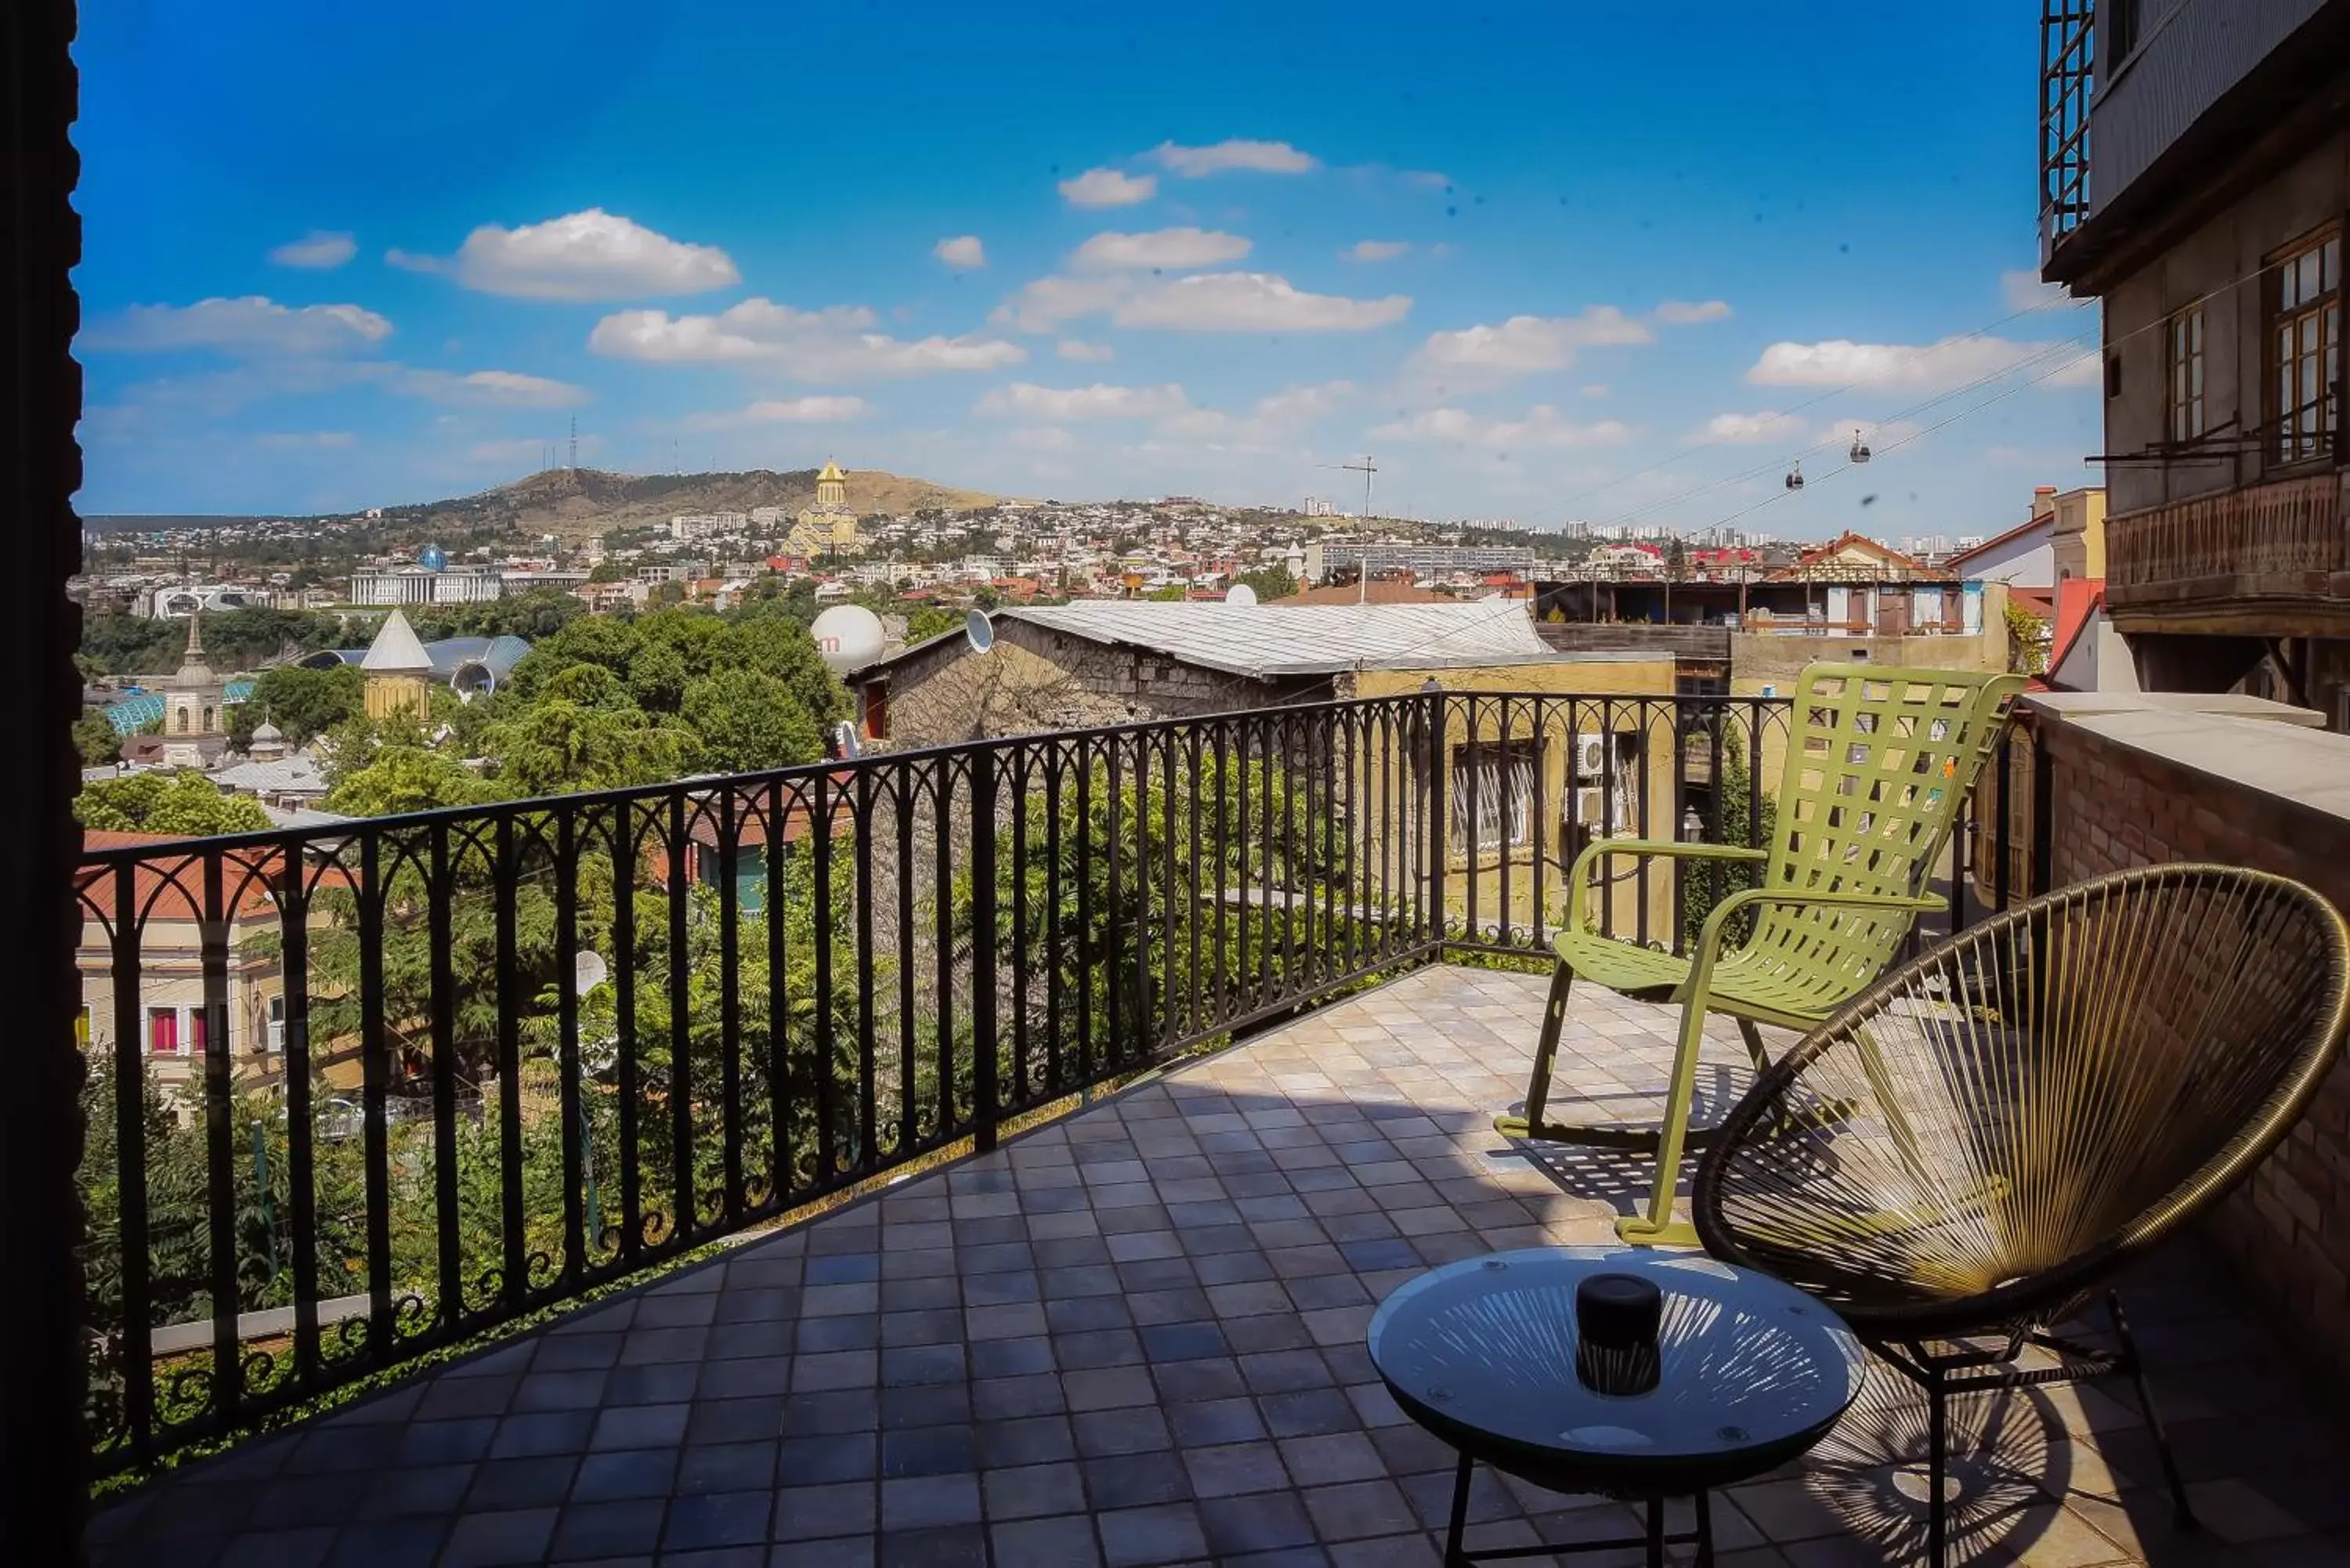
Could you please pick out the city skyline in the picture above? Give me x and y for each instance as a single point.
(1617, 272)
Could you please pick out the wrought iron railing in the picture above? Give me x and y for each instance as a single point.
(457, 1067)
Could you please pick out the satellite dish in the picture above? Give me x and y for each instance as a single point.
(588, 971)
(848, 636)
(980, 630)
(1240, 594)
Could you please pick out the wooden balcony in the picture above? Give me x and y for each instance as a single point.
(2268, 560)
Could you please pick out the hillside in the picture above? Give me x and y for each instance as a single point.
(574, 504)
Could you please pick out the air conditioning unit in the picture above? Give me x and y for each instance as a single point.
(1591, 756)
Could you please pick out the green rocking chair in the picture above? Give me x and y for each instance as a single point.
(1879, 762)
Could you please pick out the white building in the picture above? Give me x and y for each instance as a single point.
(709, 525)
(424, 585)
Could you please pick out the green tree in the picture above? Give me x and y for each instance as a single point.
(96, 739)
(401, 777)
(927, 621)
(747, 721)
(2027, 640)
(1173, 593)
(608, 570)
(180, 803)
(301, 702)
(1705, 883)
(1270, 583)
(657, 677)
(556, 747)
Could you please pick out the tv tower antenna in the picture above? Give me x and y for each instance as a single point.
(575, 443)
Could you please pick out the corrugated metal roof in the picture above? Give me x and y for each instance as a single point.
(1304, 639)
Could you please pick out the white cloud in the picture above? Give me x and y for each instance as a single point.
(1201, 302)
(1685, 313)
(589, 256)
(1748, 428)
(2085, 369)
(1109, 188)
(963, 252)
(2022, 290)
(1078, 349)
(1543, 426)
(1026, 399)
(810, 410)
(1170, 248)
(250, 325)
(1273, 424)
(1594, 388)
(1253, 302)
(1264, 157)
(828, 345)
(319, 250)
(1426, 178)
(1937, 367)
(1525, 345)
(489, 388)
(1299, 404)
(1041, 305)
(1872, 432)
(806, 410)
(1375, 250)
(304, 441)
(1041, 437)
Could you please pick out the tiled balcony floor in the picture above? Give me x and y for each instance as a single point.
(1136, 1336)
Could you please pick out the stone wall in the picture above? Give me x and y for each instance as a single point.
(2135, 781)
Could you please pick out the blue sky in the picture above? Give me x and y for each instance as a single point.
(1543, 260)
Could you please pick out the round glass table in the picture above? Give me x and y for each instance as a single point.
(1741, 1373)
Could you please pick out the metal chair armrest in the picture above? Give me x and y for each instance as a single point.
(1579, 877)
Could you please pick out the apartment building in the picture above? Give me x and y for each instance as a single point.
(2196, 177)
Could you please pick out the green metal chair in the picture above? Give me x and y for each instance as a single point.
(1879, 762)
(2025, 1110)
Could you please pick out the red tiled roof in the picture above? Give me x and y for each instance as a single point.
(2077, 601)
(170, 886)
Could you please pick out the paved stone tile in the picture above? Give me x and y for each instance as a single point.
(1135, 1337)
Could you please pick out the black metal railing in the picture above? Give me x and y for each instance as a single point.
(365, 1089)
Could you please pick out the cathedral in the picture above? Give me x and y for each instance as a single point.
(828, 527)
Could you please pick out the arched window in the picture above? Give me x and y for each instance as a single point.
(179, 720)
(209, 716)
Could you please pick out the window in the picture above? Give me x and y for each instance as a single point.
(163, 1032)
(275, 1039)
(2183, 386)
(1493, 795)
(2305, 349)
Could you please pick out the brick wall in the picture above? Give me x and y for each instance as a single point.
(2112, 805)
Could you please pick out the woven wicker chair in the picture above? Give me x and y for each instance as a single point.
(1878, 764)
(2021, 1110)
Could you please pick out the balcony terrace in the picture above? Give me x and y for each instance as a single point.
(2266, 560)
(995, 1154)
(1136, 1336)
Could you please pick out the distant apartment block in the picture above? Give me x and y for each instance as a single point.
(712, 524)
(1322, 560)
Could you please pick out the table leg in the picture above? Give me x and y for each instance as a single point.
(1704, 1531)
(1454, 1557)
(1656, 1532)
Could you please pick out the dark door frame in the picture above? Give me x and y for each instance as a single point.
(42, 1474)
